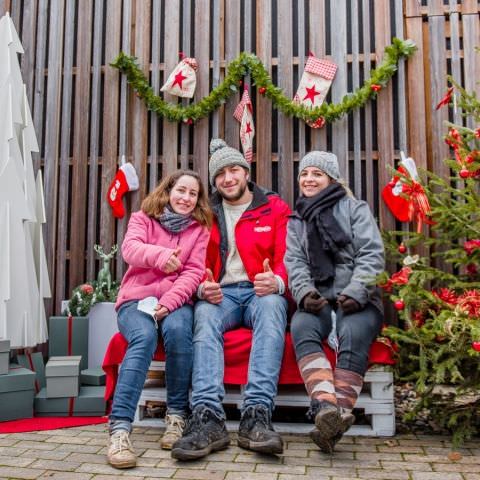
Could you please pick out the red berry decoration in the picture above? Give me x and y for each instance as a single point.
(476, 346)
(464, 173)
(375, 87)
(262, 90)
(399, 304)
(402, 248)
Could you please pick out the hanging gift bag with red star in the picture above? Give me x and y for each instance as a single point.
(183, 80)
(244, 114)
(315, 84)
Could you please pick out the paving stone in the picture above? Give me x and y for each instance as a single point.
(12, 451)
(319, 460)
(298, 445)
(472, 476)
(401, 449)
(100, 469)
(356, 463)
(288, 476)
(45, 454)
(436, 476)
(78, 448)
(86, 457)
(7, 442)
(51, 475)
(250, 476)
(369, 473)
(141, 437)
(60, 465)
(294, 469)
(251, 457)
(457, 467)
(36, 437)
(379, 456)
(295, 453)
(229, 466)
(340, 472)
(152, 472)
(199, 464)
(26, 444)
(444, 451)
(156, 453)
(224, 456)
(19, 472)
(200, 474)
(76, 440)
(419, 466)
(15, 461)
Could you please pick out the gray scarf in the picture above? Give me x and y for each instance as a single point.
(174, 222)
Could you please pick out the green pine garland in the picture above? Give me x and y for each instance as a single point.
(248, 63)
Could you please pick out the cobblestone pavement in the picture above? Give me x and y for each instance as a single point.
(79, 454)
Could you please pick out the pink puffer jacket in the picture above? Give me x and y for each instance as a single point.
(146, 248)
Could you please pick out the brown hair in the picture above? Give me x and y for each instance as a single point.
(156, 201)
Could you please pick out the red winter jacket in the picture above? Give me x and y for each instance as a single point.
(260, 233)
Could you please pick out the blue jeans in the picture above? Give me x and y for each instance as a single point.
(267, 317)
(356, 332)
(140, 331)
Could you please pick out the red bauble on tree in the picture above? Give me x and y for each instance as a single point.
(402, 248)
(476, 346)
(262, 90)
(464, 173)
(399, 304)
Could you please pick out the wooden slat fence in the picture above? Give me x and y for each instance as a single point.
(86, 117)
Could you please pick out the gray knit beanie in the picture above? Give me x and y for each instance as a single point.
(326, 161)
(221, 156)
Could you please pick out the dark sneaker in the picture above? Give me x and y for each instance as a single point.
(256, 432)
(329, 426)
(205, 433)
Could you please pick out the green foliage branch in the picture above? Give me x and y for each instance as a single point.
(248, 63)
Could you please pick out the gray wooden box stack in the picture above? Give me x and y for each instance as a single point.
(63, 376)
(4, 355)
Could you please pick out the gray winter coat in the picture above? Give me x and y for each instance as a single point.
(357, 264)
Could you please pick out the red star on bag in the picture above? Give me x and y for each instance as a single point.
(179, 78)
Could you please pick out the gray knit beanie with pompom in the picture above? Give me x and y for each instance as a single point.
(221, 156)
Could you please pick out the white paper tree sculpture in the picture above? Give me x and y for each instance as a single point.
(24, 281)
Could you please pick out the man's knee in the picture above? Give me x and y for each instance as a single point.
(207, 320)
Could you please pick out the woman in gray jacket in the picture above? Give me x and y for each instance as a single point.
(334, 251)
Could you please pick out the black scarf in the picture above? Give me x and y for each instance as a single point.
(325, 237)
(174, 222)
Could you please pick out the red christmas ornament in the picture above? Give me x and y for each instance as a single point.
(399, 304)
(477, 133)
(402, 248)
(262, 90)
(188, 121)
(476, 346)
(464, 173)
(86, 288)
(375, 87)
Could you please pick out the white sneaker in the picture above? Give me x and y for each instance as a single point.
(120, 451)
(175, 425)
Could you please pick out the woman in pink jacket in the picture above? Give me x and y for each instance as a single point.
(165, 247)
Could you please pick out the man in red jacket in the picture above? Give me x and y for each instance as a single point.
(245, 285)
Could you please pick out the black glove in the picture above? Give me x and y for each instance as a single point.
(348, 304)
(313, 302)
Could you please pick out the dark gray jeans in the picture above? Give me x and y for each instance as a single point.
(356, 332)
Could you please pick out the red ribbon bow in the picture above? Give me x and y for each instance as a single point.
(419, 206)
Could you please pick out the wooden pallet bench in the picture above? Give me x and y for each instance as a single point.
(376, 401)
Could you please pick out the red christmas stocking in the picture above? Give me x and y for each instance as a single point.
(125, 180)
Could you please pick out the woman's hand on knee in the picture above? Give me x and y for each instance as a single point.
(348, 304)
(313, 302)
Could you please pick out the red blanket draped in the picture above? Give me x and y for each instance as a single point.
(237, 352)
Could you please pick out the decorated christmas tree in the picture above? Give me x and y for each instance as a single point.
(436, 289)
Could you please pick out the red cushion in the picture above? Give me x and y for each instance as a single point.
(237, 352)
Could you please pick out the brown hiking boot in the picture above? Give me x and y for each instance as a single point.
(120, 451)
